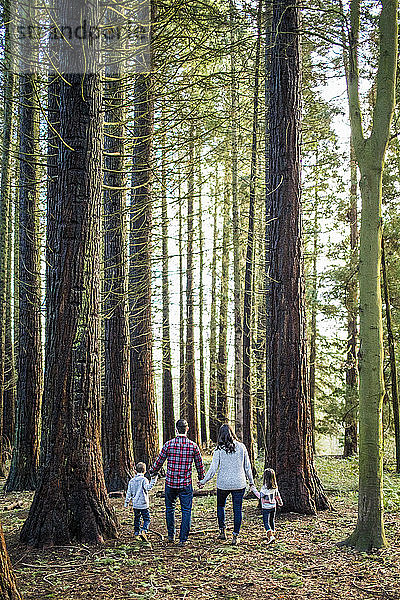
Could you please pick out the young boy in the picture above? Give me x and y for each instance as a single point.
(138, 494)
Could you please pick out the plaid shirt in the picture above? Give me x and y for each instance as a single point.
(179, 454)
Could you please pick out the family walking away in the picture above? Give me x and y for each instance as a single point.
(231, 464)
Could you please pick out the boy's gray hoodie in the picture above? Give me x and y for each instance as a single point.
(138, 491)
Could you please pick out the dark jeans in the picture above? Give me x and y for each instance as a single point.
(185, 496)
(237, 500)
(141, 512)
(269, 518)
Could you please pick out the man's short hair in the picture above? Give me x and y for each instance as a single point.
(141, 467)
(182, 426)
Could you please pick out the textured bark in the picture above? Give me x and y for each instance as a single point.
(249, 270)
(392, 359)
(213, 329)
(118, 461)
(370, 152)
(290, 450)
(168, 416)
(222, 359)
(202, 395)
(182, 394)
(8, 584)
(53, 143)
(314, 300)
(9, 398)
(144, 422)
(268, 225)
(190, 375)
(351, 399)
(25, 460)
(70, 503)
(237, 277)
(260, 337)
(5, 199)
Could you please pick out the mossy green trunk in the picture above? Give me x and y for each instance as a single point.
(369, 532)
(370, 153)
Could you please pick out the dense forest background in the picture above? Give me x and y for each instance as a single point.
(209, 237)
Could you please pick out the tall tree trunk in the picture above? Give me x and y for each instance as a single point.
(8, 584)
(5, 200)
(248, 277)
(9, 398)
(203, 424)
(53, 144)
(25, 460)
(167, 391)
(268, 239)
(392, 358)
(290, 451)
(70, 503)
(314, 301)
(144, 423)
(260, 338)
(190, 376)
(118, 460)
(351, 399)
(370, 152)
(213, 327)
(237, 278)
(182, 393)
(222, 359)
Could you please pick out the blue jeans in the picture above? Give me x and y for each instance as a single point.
(237, 500)
(141, 512)
(185, 496)
(269, 518)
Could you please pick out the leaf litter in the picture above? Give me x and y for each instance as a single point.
(304, 562)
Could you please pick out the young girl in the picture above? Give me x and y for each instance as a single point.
(270, 497)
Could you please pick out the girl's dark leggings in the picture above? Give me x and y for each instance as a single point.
(269, 518)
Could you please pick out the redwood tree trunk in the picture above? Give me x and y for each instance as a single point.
(213, 330)
(290, 451)
(182, 392)
(168, 416)
(8, 584)
(71, 503)
(9, 398)
(237, 276)
(190, 379)
(144, 423)
(222, 359)
(203, 425)
(25, 460)
(117, 446)
(249, 276)
(5, 200)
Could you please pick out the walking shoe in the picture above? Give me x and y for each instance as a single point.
(234, 541)
(143, 536)
(222, 534)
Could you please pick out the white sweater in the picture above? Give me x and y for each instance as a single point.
(233, 468)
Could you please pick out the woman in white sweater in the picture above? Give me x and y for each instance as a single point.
(231, 462)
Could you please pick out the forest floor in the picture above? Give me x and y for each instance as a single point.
(303, 563)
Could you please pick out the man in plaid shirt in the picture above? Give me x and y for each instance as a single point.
(179, 454)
